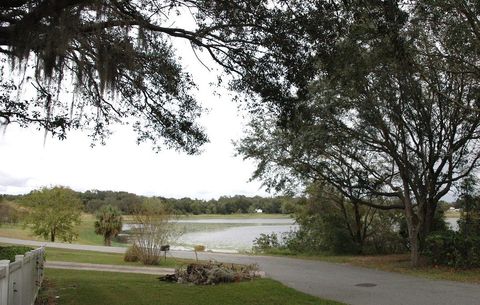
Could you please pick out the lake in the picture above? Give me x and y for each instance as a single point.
(452, 222)
(226, 234)
(234, 234)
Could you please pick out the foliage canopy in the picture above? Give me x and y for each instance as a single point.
(388, 110)
(54, 213)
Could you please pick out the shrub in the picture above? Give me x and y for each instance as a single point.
(153, 230)
(9, 252)
(9, 213)
(266, 242)
(319, 233)
(453, 249)
(131, 255)
(385, 236)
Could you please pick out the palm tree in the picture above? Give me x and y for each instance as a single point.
(108, 223)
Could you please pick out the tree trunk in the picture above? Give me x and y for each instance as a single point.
(414, 248)
(107, 241)
(414, 224)
(428, 222)
(358, 228)
(52, 235)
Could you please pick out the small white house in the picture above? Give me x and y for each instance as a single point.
(258, 211)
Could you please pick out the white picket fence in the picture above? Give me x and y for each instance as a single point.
(20, 280)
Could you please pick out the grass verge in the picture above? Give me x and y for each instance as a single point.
(92, 257)
(105, 288)
(399, 263)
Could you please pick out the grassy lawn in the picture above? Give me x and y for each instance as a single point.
(104, 258)
(17, 231)
(106, 288)
(399, 263)
(86, 233)
(93, 257)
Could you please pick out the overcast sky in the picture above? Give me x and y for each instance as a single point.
(122, 165)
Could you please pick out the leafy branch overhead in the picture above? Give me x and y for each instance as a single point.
(120, 58)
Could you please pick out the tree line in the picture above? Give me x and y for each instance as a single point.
(128, 203)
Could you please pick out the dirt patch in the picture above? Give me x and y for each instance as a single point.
(381, 259)
(47, 294)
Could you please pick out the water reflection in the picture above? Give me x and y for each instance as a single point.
(232, 239)
(226, 234)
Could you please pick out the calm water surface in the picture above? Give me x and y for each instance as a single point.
(227, 234)
(452, 222)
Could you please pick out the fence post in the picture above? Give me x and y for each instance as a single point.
(38, 270)
(41, 266)
(19, 283)
(4, 264)
(27, 279)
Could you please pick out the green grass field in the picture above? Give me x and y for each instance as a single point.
(104, 258)
(105, 288)
(86, 233)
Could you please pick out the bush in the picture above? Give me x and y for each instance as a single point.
(453, 249)
(9, 252)
(154, 229)
(320, 233)
(131, 255)
(9, 214)
(265, 242)
(384, 236)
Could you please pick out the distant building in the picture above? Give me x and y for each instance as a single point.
(258, 211)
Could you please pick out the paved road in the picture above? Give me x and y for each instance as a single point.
(331, 281)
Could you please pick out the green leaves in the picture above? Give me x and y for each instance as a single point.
(54, 213)
(108, 223)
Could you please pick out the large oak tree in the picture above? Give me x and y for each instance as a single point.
(387, 111)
